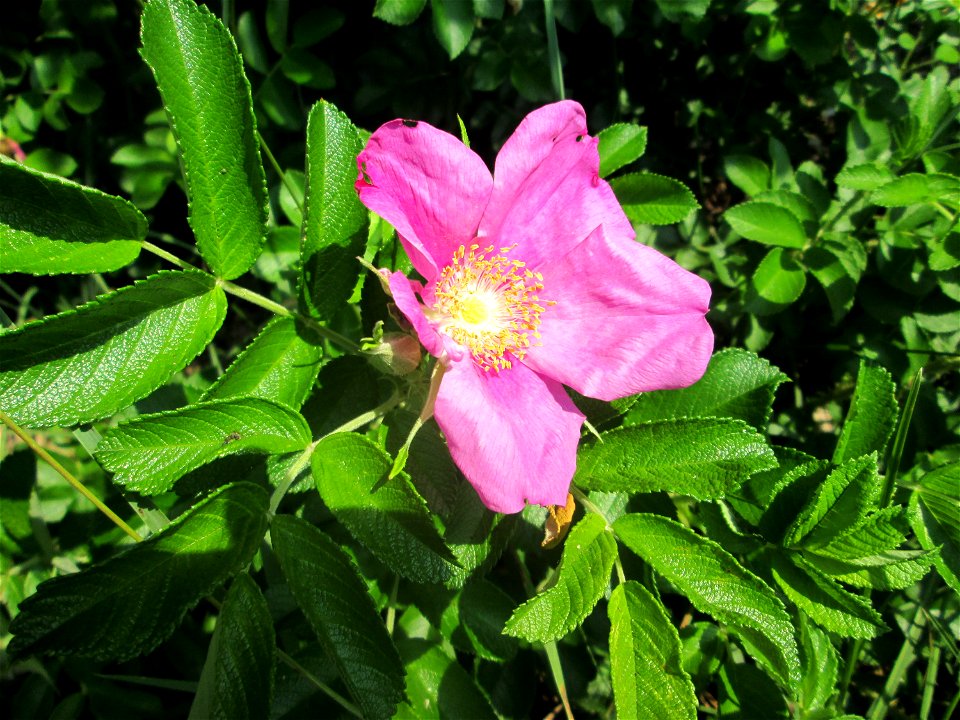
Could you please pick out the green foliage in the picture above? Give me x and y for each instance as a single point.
(783, 543)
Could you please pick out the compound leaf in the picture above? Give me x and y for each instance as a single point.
(872, 415)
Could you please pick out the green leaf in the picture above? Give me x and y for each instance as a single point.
(207, 97)
(718, 585)
(767, 223)
(452, 24)
(777, 283)
(49, 225)
(613, 13)
(438, 687)
(680, 10)
(281, 365)
(327, 587)
(620, 144)
(399, 12)
(915, 188)
(582, 579)
(877, 533)
(333, 234)
(703, 458)
(890, 570)
(935, 518)
(389, 518)
(737, 384)
(87, 363)
(130, 603)
(869, 176)
(823, 600)
(820, 666)
(149, 453)
(237, 677)
(872, 415)
(748, 173)
(837, 262)
(653, 199)
(645, 658)
(846, 496)
(484, 610)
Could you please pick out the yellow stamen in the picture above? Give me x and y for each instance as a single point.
(490, 304)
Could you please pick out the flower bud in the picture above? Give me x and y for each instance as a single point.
(395, 353)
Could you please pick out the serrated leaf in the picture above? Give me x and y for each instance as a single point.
(332, 235)
(582, 578)
(149, 453)
(846, 496)
(620, 144)
(823, 600)
(889, 570)
(915, 188)
(935, 516)
(653, 199)
(869, 176)
(777, 283)
(281, 364)
(703, 458)
(453, 23)
(85, 364)
(438, 687)
(49, 225)
(737, 384)
(718, 585)
(389, 518)
(820, 666)
(335, 601)
(399, 12)
(130, 603)
(872, 415)
(748, 173)
(877, 533)
(767, 223)
(645, 658)
(237, 677)
(207, 97)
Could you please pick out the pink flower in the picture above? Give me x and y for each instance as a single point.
(533, 281)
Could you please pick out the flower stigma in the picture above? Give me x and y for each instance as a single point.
(490, 304)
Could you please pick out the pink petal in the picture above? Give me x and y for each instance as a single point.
(513, 434)
(627, 319)
(547, 192)
(428, 185)
(404, 292)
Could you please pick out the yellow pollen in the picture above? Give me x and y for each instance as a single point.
(489, 304)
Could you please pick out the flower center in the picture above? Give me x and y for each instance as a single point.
(490, 304)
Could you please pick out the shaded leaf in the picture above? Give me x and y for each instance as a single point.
(704, 458)
(648, 679)
(49, 225)
(718, 585)
(87, 363)
(237, 677)
(399, 12)
(389, 518)
(581, 580)
(149, 453)
(484, 610)
(820, 666)
(437, 687)
(335, 601)
(452, 24)
(207, 97)
(130, 603)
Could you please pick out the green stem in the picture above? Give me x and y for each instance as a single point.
(900, 439)
(322, 686)
(553, 49)
(77, 485)
(930, 681)
(908, 653)
(392, 605)
(291, 188)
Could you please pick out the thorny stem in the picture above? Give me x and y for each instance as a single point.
(77, 485)
(258, 299)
